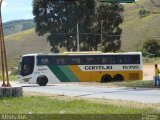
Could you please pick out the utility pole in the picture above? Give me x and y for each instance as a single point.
(101, 34)
(78, 38)
(4, 65)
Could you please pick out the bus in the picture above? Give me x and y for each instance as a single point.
(80, 67)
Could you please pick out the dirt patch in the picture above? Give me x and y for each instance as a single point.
(148, 71)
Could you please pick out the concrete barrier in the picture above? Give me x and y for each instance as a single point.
(11, 92)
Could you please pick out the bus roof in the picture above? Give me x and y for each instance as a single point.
(83, 53)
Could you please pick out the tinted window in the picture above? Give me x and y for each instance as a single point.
(74, 60)
(133, 59)
(43, 60)
(26, 66)
(60, 60)
(91, 60)
(121, 59)
(88, 59)
(109, 59)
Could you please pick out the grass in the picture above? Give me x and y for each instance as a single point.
(136, 83)
(20, 35)
(50, 104)
(11, 77)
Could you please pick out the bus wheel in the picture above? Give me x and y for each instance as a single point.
(118, 77)
(42, 80)
(106, 78)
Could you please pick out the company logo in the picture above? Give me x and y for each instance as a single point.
(98, 67)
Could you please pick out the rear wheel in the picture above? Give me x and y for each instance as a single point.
(106, 78)
(42, 80)
(118, 77)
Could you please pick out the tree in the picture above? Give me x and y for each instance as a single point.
(151, 48)
(58, 19)
(109, 16)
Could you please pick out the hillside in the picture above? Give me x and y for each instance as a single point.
(15, 26)
(23, 43)
(136, 31)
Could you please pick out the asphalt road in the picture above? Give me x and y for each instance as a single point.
(143, 95)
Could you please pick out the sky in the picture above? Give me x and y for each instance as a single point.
(16, 9)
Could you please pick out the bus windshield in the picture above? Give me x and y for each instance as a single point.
(26, 66)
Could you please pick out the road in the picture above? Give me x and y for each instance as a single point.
(143, 95)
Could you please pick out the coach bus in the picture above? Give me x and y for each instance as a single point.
(80, 67)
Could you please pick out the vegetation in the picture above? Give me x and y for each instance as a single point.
(24, 42)
(49, 104)
(60, 18)
(151, 48)
(144, 13)
(11, 77)
(136, 31)
(153, 60)
(15, 26)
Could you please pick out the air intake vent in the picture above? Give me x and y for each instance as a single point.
(133, 76)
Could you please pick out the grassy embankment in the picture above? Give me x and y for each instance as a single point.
(49, 104)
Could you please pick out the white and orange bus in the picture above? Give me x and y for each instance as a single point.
(80, 67)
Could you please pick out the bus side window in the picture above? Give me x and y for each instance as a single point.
(121, 59)
(90, 60)
(127, 59)
(76, 61)
(132, 59)
(105, 59)
(98, 59)
(135, 59)
(43, 60)
(60, 61)
(113, 60)
(53, 60)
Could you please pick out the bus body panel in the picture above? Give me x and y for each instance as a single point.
(57, 73)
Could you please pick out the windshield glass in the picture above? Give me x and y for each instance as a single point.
(26, 66)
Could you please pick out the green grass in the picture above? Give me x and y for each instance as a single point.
(40, 107)
(11, 78)
(30, 104)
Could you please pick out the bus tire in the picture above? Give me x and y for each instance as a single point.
(118, 77)
(42, 80)
(106, 78)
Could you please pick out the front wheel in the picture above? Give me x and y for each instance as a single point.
(42, 80)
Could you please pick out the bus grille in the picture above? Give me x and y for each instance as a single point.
(134, 76)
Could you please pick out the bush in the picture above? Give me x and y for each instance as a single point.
(144, 13)
(151, 48)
